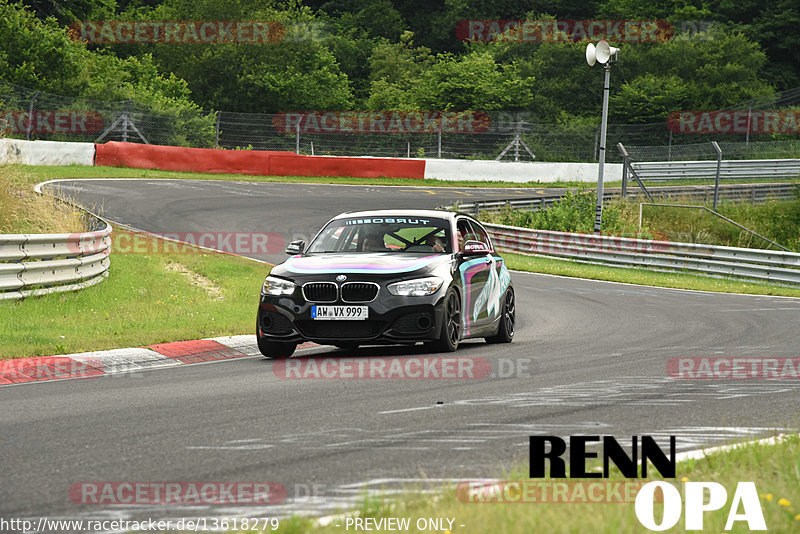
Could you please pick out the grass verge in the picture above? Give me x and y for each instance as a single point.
(147, 298)
(23, 211)
(775, 469)
(540, 264)
(75, 171)
(79, 171)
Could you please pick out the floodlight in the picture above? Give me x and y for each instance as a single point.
(602, 53)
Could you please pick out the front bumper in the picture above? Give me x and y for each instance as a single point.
(391, 319)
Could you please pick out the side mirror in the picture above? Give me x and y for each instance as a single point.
(295, 247)
(475, 248)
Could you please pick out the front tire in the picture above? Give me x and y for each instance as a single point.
(505, 330)
(451, 324)
(275, 350)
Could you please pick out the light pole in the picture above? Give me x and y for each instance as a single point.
(605, 55)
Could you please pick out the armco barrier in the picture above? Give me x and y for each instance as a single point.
(765, 265)
(36, 264)
(45, 152)
(775, 169)
(739, 192)
(254, 162)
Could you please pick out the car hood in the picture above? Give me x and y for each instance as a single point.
(373, 263)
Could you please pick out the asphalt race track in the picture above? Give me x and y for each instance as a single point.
(293, 211)
(588, 358)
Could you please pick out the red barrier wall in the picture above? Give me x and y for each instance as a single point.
(170, 158)
(294, 165)
(174, 158)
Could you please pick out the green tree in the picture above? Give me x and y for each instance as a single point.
(470, 82)
(675, 10)
(399, 62)
(395, 69)
(719, 71)
(67, 11)
(352, 53)
(775, 27)
(298, 72)
(564, 83)
(648, 98)
(435, 23)
(39, 54)
(374, 18)
(474, 81)
(770, 23)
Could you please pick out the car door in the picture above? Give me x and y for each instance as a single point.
(498, 281)
(476, 272)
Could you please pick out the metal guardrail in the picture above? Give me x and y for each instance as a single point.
(744, 192)
(657, 171)
(38, 264)
(746, 263)
(530, 204)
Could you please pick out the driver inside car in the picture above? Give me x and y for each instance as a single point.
(435, 243)
(373, 243)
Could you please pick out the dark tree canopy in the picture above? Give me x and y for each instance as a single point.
(374, 54)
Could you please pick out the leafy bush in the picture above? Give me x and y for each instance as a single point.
(574, 212)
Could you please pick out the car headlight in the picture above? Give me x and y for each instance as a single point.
(416, 288)
(276, 286)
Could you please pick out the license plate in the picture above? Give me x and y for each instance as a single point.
(333, 313)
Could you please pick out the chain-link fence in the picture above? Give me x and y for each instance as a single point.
(525, 141)
(509, 134)
(741, 150)
(29, 114)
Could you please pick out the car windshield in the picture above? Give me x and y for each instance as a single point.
(384, 234)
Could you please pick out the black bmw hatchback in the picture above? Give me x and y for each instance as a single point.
(388, 277)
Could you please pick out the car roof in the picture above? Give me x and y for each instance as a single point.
(439, 214)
